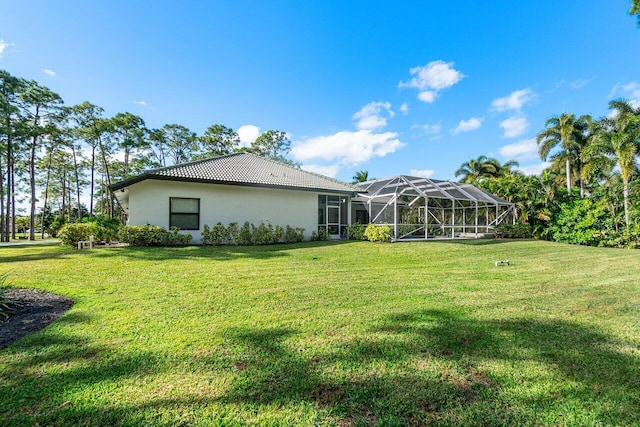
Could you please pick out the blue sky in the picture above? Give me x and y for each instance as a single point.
(389, 87)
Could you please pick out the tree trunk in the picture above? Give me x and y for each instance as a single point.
(75, 168)
(46, 194)
(13, 200)
(7, 217)
(2, 237)
(568, 168)
(625, 193)
(93, 171)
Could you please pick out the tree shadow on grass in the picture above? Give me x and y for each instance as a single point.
(412, 368)
(577, 372)
(221, 253)
(33, 253)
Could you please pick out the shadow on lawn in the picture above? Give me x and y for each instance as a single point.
(380, 380)
(414, 368)
(34, 253)
(222, 253)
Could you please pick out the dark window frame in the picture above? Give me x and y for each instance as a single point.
(184, 214)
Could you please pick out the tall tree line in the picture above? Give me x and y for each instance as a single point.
(52, 154)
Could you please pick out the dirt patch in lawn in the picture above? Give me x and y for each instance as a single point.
(32, 310)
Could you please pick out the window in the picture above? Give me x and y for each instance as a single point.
(184, 213)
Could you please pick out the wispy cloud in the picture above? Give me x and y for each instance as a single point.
(514, 126)
(429, 129)
(374, 115)
(580, 83)
(514, 101)
(3, 46)
(534, 169)
(49, 72)
(424, 173)
(526, 149)
(430, 79)
(631, 91)
(404, 108)
(142, 103)
(467, 125)
(347, 147)
(330, 170)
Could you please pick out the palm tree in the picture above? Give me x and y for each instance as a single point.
(360, 176)
(619, 137)
(566, 134)
(476, 169)
(504, 169)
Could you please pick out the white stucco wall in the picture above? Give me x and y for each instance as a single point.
(149, 204)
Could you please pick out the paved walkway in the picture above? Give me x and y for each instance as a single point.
(30, 242)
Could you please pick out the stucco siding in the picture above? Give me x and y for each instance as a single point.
(149, 204)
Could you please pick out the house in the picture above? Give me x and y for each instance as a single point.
(244, 187)
(236, 188)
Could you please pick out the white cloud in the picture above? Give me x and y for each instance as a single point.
(424, 173)
(347, 147)
(3, 46)
(514, 126)
(432, 78)
(515, 101)
(468, 125)
(330, 170)
(631, 91)
(142, 103)
(429, 128)
(427, 96)
(49, 72)
(373, 115)
(248, 134)
(522, 150)
(404, 108)
(534, 169)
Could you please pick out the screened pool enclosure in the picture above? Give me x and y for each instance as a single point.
(423, 208)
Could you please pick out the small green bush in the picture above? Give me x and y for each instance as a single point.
(152, 235)
(320, 235)
(278, 234)
(232, 232)
(71, 234)
(217, 235)
(293, 235)
(378, 233)
(263, 235)
(515, 231)
(356, 231)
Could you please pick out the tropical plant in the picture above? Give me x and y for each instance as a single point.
(360, 176)
(565, 137)
(477, 169)
(619, 137)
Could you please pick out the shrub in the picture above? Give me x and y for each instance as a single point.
(356, 231)
(293, 235)
(278, 234)
(378, 233)
(516, 231)
(143, 235)
(245, 233)
(232, 232)
(320, 235)
(71, 234)
(263, 235)
(218, 235)
(173, 238)
(106, 228)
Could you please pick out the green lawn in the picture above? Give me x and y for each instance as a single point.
(329, 334)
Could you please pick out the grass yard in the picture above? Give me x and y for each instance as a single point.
(329, 334)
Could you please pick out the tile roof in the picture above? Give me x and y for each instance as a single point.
(244, 169)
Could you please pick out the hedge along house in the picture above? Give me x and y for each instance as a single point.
(236, 188)
(422, 208)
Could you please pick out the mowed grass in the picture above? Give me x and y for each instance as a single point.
(329, 333)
